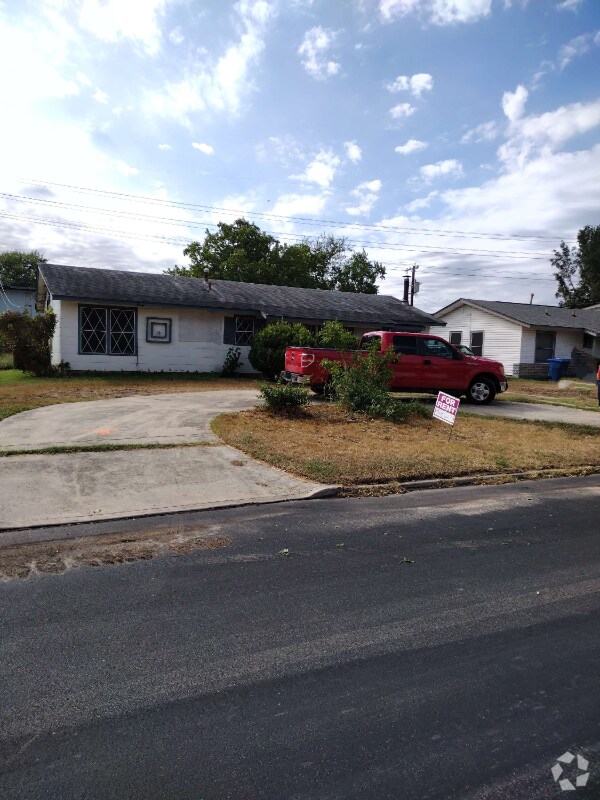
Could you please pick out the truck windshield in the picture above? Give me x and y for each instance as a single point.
(370, 343)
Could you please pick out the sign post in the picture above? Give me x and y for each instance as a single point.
(446, 409)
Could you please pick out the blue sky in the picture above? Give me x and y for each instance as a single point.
(463, 135)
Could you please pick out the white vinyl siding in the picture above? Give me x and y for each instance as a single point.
(501, 339)
(196, 343)
(565, 342)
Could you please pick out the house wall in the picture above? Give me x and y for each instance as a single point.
(565, 342)
(196, 343)
(18, 300)
(501, 338)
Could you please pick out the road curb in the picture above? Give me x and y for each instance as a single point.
(400, 487)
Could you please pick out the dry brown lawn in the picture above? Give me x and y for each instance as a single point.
(19, 392)
(569, 392)
(329, 445)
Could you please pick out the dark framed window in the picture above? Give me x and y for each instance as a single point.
(245, 328)
(368, 342)
(477, 343)
(406, 345)
(588, 341)
(456, 338)
(158, 330)
(436, 347)
(545, 344)
(108, 331)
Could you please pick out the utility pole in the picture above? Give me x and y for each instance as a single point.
(415, 267)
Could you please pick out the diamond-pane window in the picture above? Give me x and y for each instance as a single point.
(107, 330)
(122, 331)
(93, 330)
(244, 330)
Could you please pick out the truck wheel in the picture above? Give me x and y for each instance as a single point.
(318, 389)
(481, 392)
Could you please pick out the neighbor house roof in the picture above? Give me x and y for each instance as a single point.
(535, 316)
(143, 288)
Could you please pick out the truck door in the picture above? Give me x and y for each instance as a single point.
(442, 369)
(408, 372)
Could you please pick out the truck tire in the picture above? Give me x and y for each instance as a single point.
(481, 391)
(318, 389)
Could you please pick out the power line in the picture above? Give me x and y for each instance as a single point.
(534, 255)
(303, 220)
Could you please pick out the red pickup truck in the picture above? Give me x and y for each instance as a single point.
(426, 364)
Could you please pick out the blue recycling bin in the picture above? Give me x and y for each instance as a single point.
(557, 368)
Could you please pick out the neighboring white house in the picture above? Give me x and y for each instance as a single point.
(524, 336)
(113, 320)
(17, 298)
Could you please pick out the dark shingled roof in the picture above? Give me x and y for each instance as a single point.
(538, 316)
(144, 288)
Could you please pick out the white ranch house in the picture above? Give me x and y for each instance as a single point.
(524, 336)
(114, 320)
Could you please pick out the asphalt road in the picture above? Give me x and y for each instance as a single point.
(441, 644)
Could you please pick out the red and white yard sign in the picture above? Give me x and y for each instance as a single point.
(446, 408)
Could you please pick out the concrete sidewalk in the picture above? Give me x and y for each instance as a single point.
(79, 487)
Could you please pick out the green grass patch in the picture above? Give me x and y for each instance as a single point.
(103, 447)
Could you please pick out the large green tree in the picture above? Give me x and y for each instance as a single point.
(20, 269)
(578, 269)
(241, 251)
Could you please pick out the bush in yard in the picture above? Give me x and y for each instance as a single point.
(284, 398)
(28, 338)
(267, 353)
(233, 361)
(362, 385)
(334, 336)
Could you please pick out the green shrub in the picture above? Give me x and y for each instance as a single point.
(28, 338)
(284, 398)
(363, 380)
(336, 337)
(233, 361)
(267, 354)
(362, 384)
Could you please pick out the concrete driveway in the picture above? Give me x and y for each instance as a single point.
(42, 489)
(155, 419)
(535, 412)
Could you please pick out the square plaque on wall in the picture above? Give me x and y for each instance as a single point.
(158, 330)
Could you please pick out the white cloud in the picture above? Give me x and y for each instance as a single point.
(439, 12)
(486, 132)
(321, 170)
(100, 97)
(125, 169)
(535, 135)
(411, 146)
(416, 84)
(207, 149)
(513, 103)
(447, 12)
(164, 147)
(115, 20)
(367, 194)
(421, 202)
(289, 205)
(176, 36)
(569, 5)
(314, 51)
(450, 168)
(402, 110)
(224, 85)
(389, 9)
(577, 47)
(353, 152)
